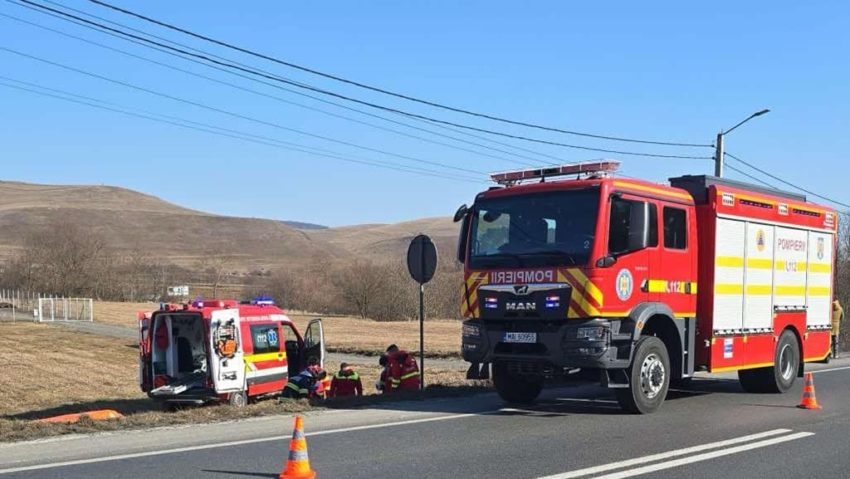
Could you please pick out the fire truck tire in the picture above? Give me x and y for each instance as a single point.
(515, 388)
(778, 378)
(238, 399)
(649, 377)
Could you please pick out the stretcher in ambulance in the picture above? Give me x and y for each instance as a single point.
(222, 351)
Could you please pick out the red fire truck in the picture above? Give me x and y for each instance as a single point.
(222, 350)
(641, 283)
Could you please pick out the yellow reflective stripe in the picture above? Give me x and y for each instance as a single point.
(730, 261)
(790, 290)
(256, 358)
(820, 267)
(759, 263)
(296, 388)
(798, 265)
(635, 186)
(819, 291)
(729, 288)
(410, 375)
(588, 285)
(759, 289)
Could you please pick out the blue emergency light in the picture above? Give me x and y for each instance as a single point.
(263, 301)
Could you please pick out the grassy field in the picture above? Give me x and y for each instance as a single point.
(49, 371)
(343, 334)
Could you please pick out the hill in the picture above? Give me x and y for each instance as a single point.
(382, 241)
(129, 220)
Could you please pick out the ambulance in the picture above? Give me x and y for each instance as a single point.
(222, 351)
(571, 269)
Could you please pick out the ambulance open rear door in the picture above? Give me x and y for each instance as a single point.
(314, 343)
(227, 364)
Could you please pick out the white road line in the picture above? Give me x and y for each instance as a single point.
(704, 457)
(830, 369)
(120, 457)
(664, 455)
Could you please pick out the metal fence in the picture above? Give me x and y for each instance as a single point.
(16, 305)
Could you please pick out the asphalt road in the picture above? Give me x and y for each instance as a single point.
(713, 430)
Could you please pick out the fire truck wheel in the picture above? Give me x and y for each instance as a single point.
(515, 388)
(780, 377)
(238, 399)
(649, 377)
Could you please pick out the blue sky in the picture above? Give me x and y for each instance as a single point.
(675, 71)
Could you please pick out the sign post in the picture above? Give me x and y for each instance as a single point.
(422, 264)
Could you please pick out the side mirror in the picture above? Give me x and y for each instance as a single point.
(461, 213)
(606, 262)
(639, 226)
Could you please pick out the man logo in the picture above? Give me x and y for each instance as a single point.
(624, 284)
(821, 248)
(760, 241)
(521, 289)
(520, 306)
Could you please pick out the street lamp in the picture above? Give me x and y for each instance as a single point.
(718, 155)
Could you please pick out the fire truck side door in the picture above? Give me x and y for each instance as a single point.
(632, 236)
(227, 365)
(314, 343)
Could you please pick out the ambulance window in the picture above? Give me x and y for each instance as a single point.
(266, 338)
(675, 228)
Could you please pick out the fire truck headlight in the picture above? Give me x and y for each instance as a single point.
(594, 333)
(471, 330)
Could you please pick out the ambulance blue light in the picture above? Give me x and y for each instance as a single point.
(263, 301)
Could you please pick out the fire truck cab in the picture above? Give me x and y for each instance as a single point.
(641, 284)
(222, 350)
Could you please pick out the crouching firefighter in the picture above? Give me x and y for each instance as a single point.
(402, 371)
(304, 384)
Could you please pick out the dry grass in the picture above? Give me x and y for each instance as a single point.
(363, 336)
(344, 334)
(45, 366)
(121, 314)
(49, 371)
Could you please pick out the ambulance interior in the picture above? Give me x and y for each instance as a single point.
(179, 351)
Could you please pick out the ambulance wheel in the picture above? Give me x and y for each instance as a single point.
(649, 377)
(239, 399)
(514, 388)
(780, 377)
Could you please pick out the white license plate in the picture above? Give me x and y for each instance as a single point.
(519, 338)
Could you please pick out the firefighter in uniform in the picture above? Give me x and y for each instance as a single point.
(346, 382)
(304, 384)
(401, 372)
(837, 317)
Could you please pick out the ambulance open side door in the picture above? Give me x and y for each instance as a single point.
(314, 344)
(227, 365)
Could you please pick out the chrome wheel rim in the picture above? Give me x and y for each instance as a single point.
(786, 366)
(652, 376)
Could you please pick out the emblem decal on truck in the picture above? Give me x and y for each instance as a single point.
(625, 284)
(520, 306)
(760, 242)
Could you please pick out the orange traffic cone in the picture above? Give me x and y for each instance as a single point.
(298, 464)
(809, 401)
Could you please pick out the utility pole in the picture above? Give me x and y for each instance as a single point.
(718, 156)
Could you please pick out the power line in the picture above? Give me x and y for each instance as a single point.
(233, 114)
(752, 177)
(215, 130)
(792, 185)
(277, 98)
(354, 100)
(381, 90)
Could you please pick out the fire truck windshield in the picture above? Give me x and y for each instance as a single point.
(534, 230)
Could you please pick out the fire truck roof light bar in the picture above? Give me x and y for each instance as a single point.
(597, 168)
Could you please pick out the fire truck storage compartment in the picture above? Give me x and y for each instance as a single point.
(179, 347)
